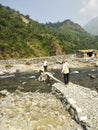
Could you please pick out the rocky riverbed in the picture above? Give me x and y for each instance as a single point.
(23, 65)
(81, 102)
(36, 110)
(33, 111)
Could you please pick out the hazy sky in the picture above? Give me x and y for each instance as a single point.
(79, 11)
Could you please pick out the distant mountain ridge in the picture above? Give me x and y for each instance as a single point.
(22, 37)
(92, 26)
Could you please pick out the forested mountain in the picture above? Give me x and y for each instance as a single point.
(73, 36)
(22, 37)
(92, 26)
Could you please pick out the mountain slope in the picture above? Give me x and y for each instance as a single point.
(92, 26)
(73, 34)
(22, 37)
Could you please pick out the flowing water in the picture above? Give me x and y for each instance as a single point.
(28, 81)
(87, 77)
(23, 81)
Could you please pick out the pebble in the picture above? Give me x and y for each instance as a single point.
(86, 99)
(33, 111)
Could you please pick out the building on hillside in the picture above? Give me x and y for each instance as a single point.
(87, 53)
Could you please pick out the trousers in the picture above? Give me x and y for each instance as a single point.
(45, 68)
(66, 78)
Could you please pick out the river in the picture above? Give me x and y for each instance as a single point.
(87, 77)
(44, 110)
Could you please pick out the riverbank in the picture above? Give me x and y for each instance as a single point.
(36, 64)
(37, 110)
(34, 111)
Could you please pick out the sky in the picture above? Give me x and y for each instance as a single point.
(44, 11)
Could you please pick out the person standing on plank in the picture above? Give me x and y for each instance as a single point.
(65, 71)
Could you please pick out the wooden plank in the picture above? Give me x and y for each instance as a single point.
(50, 75)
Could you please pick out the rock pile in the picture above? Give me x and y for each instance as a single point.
(81, 102)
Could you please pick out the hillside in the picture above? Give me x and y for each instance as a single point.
(22, 37)
(73, 36)
(92, 26)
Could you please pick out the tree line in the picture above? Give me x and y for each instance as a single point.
(22, 37)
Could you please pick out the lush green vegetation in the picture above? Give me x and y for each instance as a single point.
(22, 37)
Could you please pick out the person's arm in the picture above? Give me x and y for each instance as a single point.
(63, 68)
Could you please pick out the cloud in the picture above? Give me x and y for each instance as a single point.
(89, 10)
(89, 6)
(84, 2)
